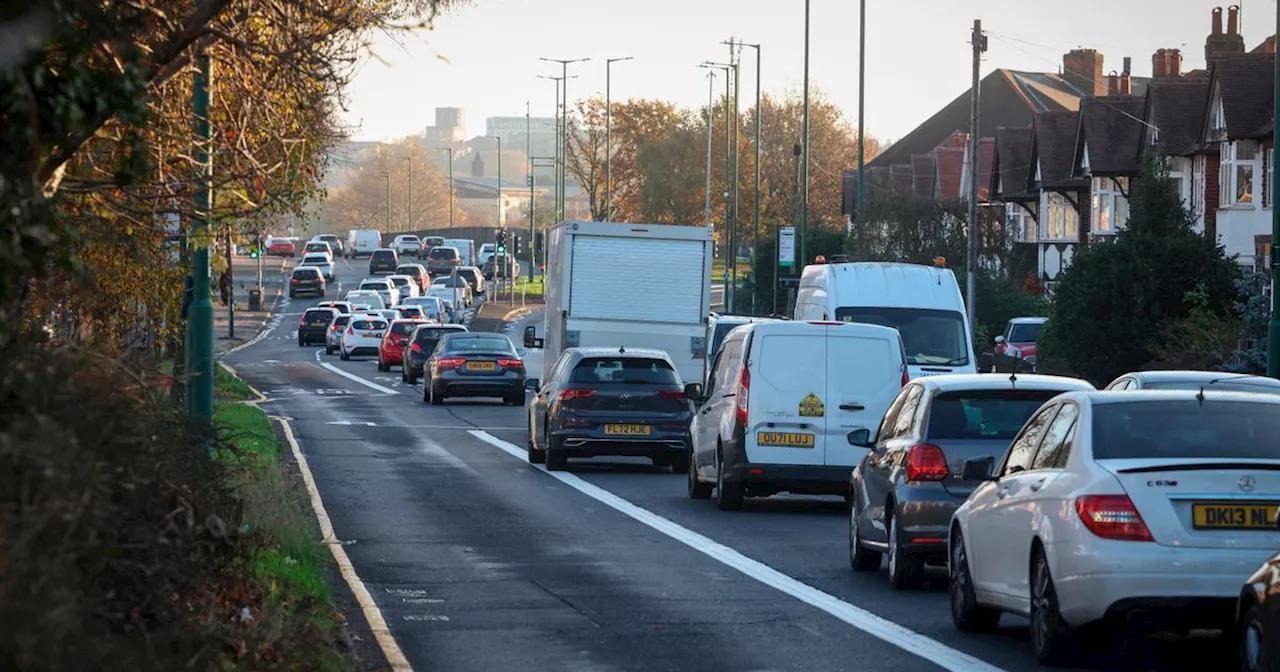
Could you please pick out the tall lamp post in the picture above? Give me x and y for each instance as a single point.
(409, 198)
(728, 164)
(499, 189)
(387, 176)
(862, 88)
(608, 135)
(449, 150)
(198, 389)
(533, 164)
(804, 174)
(711, 116)
(755, 243)
(564, 137)
(556, 186)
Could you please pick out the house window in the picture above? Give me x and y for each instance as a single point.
(1059, 216)
(1110, 207)
(1268, 162)
(1013, 222)
(1236, 172)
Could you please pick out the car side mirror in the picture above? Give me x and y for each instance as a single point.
(860, 437)
(978, 468)
(521, 352)
(530, 335)
(532, 384)
(694, 392)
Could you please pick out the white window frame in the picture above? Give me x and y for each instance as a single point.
(1109, 200)
(1014, 216)
(1061, 222)
(1229, 170)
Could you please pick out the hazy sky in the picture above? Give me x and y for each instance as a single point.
(484, 58)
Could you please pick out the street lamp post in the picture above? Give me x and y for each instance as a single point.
(804, 175)
(449, 150)
(755, 244)
(559, 132)
(711, 115)
(608, 135)
(564, 137)
(728, 164)
(409, 198)
(387, 175)
(533, 164)
(862, 88)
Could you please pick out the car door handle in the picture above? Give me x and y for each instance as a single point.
(852, 407)
(1002, 493)
(1035, 487)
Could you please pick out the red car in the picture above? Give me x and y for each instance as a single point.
(281, 247)
(394, 341)
(1019, 338)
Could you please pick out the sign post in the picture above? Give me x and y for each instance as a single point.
(787, 247)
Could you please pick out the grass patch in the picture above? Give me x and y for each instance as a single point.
(717, 269)
(230, 388)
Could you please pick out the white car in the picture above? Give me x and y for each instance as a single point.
(1194, 380)
(407, 244)
(408, 288)
(451, 288)
(433, 308)
(486, 251)
(321, 261)
(362, 335)
(1150, 504)
(366, 296)
(385, 289)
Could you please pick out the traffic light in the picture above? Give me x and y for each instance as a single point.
(516, 244)
(502, 241)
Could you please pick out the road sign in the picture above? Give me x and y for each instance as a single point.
(787, 246)
(726, 276)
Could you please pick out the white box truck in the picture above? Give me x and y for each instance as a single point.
(627, 285)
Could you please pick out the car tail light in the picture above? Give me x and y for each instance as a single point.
(743, 396)
(293, 281)
(677, 395)
(926, 462)
(566, 395)
(350, 331)
(451, 363)
(511, 363)
(1112, 517)
(416, 347)
(906, 378)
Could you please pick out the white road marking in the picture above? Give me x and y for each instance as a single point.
(902, 637)
(377, 625)
(352, 376)
(348, 423)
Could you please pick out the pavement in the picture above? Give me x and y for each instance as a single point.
(477, 560)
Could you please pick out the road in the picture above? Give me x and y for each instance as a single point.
(480, 561)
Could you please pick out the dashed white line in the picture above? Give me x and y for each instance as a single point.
(354, 377)
(902, 637)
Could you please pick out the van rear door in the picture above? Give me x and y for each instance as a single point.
(786, 419)
(864, 374)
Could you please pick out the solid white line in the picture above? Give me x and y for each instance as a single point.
(378, 625)
(902, 637)
(354, 377)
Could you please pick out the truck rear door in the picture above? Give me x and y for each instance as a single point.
(786, 420)
(864, 374)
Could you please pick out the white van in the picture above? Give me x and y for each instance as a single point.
(780, 405)
(466, 250)
(922, 302)
(362, 241)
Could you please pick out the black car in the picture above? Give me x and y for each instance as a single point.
(1258, 618)
(421, 344)
(314, 324)
(383, 261)
(306, 280)
(611, 401)
(499, 266)
(474, 365)
(442, 260)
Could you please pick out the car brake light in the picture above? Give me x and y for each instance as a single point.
(293, 281)
(743, 396)
(416, 347)
(677, 395)
(451, 363)
(511, 363)
(906, 378)
(566, 395)
(926, 462)
(1112, 517)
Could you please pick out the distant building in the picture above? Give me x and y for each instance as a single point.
(542, 130)
(450, 126)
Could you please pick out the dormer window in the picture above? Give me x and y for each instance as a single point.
(1218, 121)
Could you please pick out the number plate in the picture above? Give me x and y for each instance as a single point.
(626, 430)
(482, 366)
(373, 335)
(1234, 516)
(319, 324)
(785, 439)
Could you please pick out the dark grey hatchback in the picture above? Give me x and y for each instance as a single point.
(470, 364)
(610, 401)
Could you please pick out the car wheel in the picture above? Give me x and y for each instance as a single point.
(301, 342)
(426, 392)
(292, 295)
(516, 399)
(1049, 634)
(556, 457)
(437, 396)
(381, 366)
(728, 495)
(966, 613)
(344, 356)
(680, 464)
(411, 375)
(328, 350)
(697, 489)
(404, 375)
(905, 569)
(534, 455)
(1255, 654)
(860, 558)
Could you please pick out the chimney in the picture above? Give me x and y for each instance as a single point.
(1233, 20)
(1126, 81)
(1113, 84)
(477, 166)
(1175, 63)
(1217, 21)
(1220, 44)
(1128, 65)
(1082, 68)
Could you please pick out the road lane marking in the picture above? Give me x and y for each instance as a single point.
(882, 628)
(354, 377)
(377, 624)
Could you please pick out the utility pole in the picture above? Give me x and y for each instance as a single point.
(731, 291)
(199, 369)
(556, 168)
(711, 116)
(1273, 328)
(804, 175)
(862, 89)
(409, 160)
(231, 292)
(564, 138)
(755, 244)
(608, 136)
(971, 282)
(528, 151)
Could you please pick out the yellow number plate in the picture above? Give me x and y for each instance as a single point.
(373, 335)
(319, 324)
(1234, 516)
(785, 439)
(626, 430)
(482, 366)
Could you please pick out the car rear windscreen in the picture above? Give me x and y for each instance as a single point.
(384, 254)
(431, 334)
(400, 282)
(1025, 333)
(325, 314)
(403, 328)
(1174, 429)
(983, 414)
(1223, 385)
(443, 253)
(342, 320)
(625, 370)
(481, 344)
(307, 272)
(407, 270)
(368, 325)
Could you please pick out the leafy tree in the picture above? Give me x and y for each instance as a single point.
(362, 203)
(634, 124)
(1253, 309)
(673, 189)
(1117, 299)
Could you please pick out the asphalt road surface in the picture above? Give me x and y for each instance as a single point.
(480, 561)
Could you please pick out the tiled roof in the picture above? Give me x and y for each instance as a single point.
(1246, 84)
(1013, 158)
(950, 169)
(1112, 129)
(924, 170)
(1176, 108)
(1055, 144)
